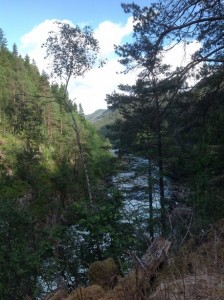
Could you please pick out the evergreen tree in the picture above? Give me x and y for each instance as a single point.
(157, 29)
(3, 40)
(164, 24)
(81, 111)
(199, 136)
(14, 50)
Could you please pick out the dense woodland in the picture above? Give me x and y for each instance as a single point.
(59, 209)
(43, 189)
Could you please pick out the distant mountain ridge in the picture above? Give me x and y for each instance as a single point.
(103, 117)
(95, 115)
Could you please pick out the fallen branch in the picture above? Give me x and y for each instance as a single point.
(138, 281)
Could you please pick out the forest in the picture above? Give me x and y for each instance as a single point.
(68, 185)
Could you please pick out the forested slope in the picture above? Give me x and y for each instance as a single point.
(42, 178)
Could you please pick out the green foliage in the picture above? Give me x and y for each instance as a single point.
(3, 40)
(204, 166)
(99, 234)
(19, 255)
(160, 111)
(41, 177)
(162, 24)
(72, 42)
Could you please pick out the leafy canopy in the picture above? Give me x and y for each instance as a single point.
(73, 50)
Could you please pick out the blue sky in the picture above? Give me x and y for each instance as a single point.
(17, 17)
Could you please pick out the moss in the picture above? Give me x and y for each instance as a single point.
(102, 273)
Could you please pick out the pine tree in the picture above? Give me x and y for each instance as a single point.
(14, 50)
(3, 40)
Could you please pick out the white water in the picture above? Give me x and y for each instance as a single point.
(133, 184)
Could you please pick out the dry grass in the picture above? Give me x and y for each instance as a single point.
(58, 295)
(93, 292)
(197, 272)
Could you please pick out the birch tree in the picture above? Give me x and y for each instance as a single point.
(73, 51)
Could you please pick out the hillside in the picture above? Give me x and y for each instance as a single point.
(95, 115)
(102, 118)
(43, 190)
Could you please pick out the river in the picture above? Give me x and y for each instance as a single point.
(132, 181)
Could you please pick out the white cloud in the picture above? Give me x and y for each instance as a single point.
(32, 41)
(109, 34)
(180, 54)
(90, 90)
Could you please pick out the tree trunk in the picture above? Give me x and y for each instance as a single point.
(150, 197)
(161, 180)
(160, 161)
(76, 129)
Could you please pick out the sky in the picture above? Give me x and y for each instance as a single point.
(27, 24)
